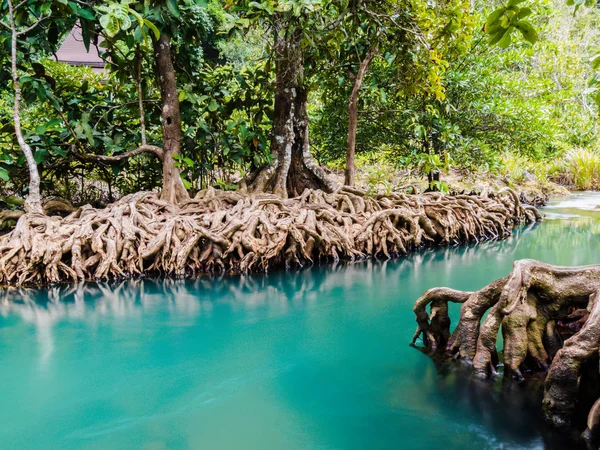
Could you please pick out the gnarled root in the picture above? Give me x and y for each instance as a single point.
(562, 382)
(291, 179)
(230, 231)
(537, 306)
(435, 328)
(54, 206)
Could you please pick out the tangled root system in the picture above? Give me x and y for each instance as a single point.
(228, 231)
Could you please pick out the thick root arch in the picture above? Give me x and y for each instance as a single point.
(550, 321)
(291, 179)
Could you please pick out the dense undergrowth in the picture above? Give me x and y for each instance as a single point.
(577, 169)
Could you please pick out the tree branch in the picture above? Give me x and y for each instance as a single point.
(20, 4)
(157, 151)
(338, 20)
(112, 108)
(28, 29)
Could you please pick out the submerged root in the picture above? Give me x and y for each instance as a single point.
(550, 321)
(229, 231)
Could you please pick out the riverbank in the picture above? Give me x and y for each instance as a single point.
(222, 231)
(532, 190)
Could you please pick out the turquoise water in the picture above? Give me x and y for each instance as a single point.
(316, 359)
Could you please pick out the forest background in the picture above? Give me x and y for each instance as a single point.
(434, 96)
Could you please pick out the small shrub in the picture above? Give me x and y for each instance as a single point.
(378, 177)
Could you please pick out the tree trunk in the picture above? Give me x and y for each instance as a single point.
(353, 116)
(432, 177)
(33, 202)
(140, 93)
(173, 189)
(294, 168)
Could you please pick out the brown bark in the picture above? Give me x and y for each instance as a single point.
(294, 168)
(353, 115)
(562, 382)
(173, 189)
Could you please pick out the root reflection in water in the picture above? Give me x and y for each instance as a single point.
(513, 410)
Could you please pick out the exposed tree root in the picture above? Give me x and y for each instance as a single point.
(55, 206)
(550, 319)
(229, 231)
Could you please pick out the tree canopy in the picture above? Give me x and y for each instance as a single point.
(261, 94)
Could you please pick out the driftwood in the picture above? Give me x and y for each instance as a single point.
(550, 320)
(229, 231)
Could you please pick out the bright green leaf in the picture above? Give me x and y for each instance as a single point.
(506, 38)
(153, 28)
(173, 7)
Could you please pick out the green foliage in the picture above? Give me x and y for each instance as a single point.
(434, 94)
(227, 121)
(70, 111)
(505, 20)
(378, 179)
(578, 168)
(430, 163)
(526, 100)
(582, 168)
(439, 186)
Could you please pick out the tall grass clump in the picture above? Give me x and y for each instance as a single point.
(515, 167)
(581, 168)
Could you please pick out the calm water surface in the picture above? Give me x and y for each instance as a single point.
(317, 359)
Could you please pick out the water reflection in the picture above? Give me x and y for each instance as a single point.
(511, 409)
(276, 293)
(321, 355)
